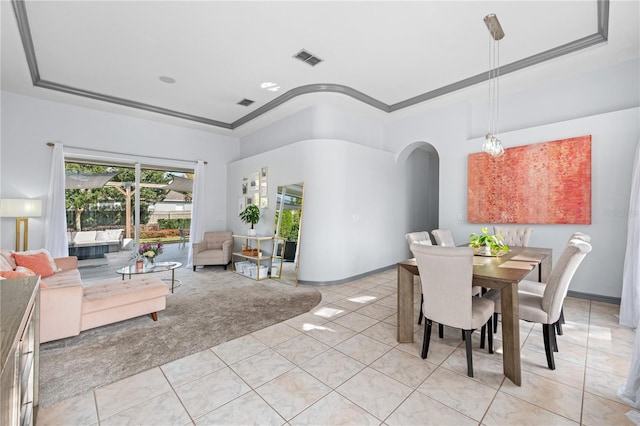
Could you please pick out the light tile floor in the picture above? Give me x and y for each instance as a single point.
(341, 364)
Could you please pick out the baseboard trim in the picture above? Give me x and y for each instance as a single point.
(594, 297)
(346, 280)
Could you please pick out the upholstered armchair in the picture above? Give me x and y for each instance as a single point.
(215, 249)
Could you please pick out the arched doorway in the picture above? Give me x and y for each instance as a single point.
(422, 177)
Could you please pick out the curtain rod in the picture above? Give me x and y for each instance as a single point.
(51, 144)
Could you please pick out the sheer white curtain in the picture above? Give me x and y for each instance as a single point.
(55, 218)
(630, 300)
(196, 232)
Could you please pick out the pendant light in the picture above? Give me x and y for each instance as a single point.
(492, 144)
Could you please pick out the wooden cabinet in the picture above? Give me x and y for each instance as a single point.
(20, 329)
(255, 257)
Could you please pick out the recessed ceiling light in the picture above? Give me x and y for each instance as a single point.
(168, 80)
(272, 87)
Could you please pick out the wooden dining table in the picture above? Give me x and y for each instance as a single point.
(498, 272)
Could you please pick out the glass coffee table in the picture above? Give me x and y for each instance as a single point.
(149, 269)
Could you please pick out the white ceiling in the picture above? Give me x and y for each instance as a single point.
(220, 52)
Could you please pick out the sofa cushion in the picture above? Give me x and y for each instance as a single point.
(66, 278)
(37, 262)
(84, 237)
(102, 236)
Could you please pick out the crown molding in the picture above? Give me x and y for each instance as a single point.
(600, 36)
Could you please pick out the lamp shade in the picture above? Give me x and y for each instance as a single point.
(20, 207)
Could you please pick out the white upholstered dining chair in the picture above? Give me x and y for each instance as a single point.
(514, 236)
(443, 237)
(420, 237)
(545, 309)
(538, 288)
(446, 276)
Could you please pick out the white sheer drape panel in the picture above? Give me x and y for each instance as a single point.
(55, 221)
(630, 299)
(196, 232)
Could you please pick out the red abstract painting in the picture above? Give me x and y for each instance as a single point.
(542, 183)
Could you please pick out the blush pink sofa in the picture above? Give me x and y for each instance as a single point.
(68, 307)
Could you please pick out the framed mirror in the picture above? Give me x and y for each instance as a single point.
(288, 226)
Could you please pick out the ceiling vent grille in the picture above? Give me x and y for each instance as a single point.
(245, 102)
(308, 58)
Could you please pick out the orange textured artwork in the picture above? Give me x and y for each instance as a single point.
(542, 183)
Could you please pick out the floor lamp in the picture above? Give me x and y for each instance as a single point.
(22, 209)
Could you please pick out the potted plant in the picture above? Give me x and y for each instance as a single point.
(487, 245)
(251, 214)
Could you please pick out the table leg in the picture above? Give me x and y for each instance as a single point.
(173, 276)
(545, 269)
(405, 305)
(511, 333)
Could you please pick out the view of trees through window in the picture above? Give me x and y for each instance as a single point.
(101, 197)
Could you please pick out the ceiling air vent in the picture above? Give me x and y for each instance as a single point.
(308, 58)
(245, 102)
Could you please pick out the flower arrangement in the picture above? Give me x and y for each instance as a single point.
(148, 250)
(493, 244)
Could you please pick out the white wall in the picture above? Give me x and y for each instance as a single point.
(28, 123)
(615, 135)
(353, 221)
(318, 122)
(603, 103)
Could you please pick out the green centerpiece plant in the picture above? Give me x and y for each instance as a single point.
(486, 244)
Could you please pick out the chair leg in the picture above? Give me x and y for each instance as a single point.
(554, 341)
(482, 331)
(467, 335)
(559, 323)
(427, 337)
(547, 331)
(421, 314)
(440, 331)
(495, 322)
(194, 268)
(489, 334)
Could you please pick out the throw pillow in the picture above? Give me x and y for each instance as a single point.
(6, 255)
(38, 263)
(4, 265)
(38, 251)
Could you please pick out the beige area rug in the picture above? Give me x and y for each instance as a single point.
(210, 307)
